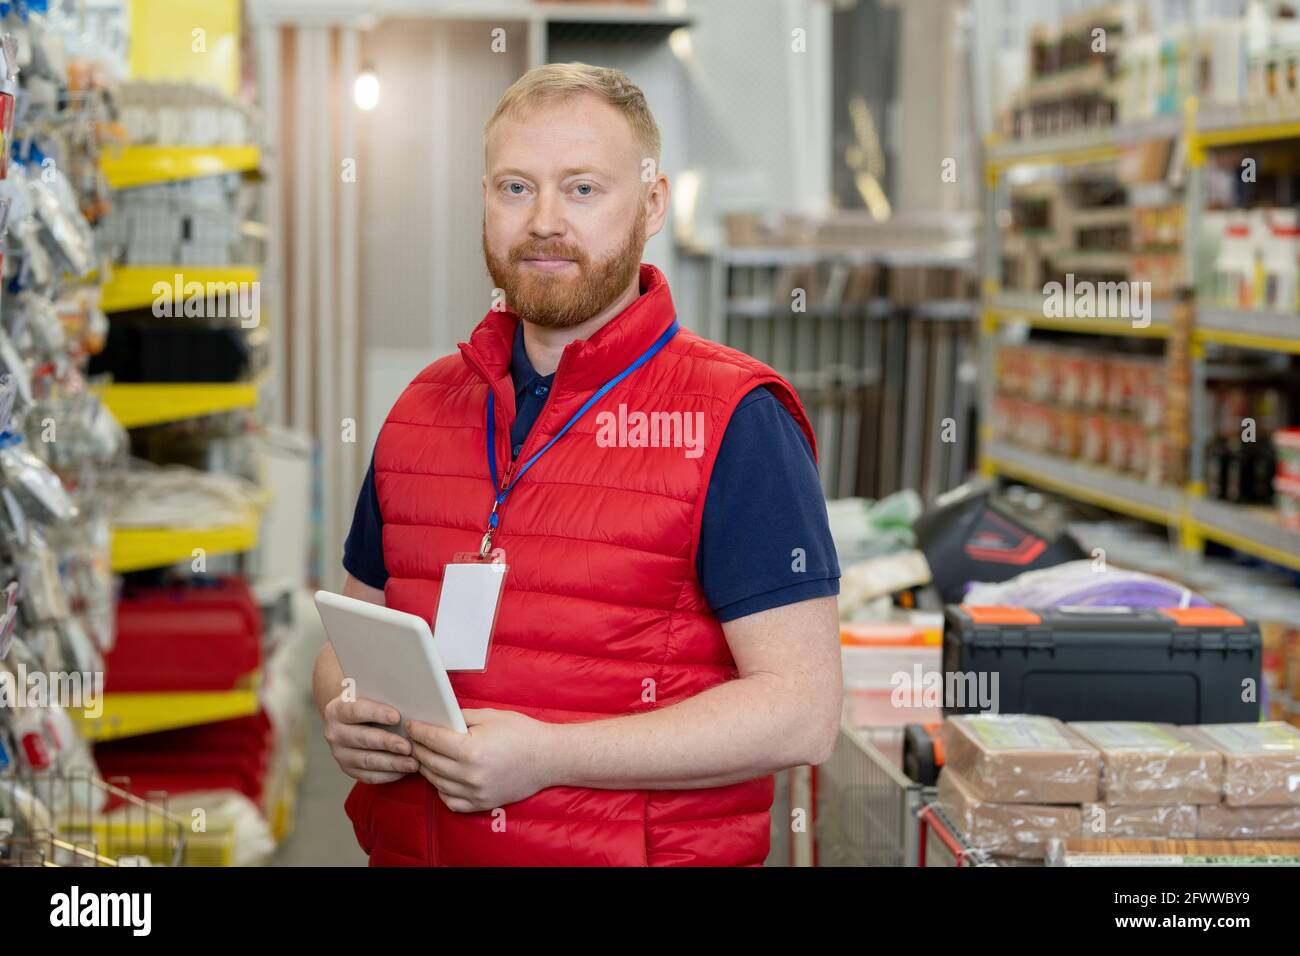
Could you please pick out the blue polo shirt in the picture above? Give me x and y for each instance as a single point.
(764, 540)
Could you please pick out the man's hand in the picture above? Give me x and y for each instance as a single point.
(505, 757)
(368, 754)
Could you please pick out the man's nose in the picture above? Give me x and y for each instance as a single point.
(548, 218)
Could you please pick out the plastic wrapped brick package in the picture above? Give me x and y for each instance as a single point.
(1019, 830)
(1019, 758)
(1249, 823)
(1261, 762)
(1149, 765)
(1140, 823)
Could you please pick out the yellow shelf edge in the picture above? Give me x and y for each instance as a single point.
(135, 404)
(1246, 340)
(136, 549)
(125, 167)
(1103, 153)
(1121, 327)
(1191, 528)
(1251, 133)
(134, 714)
(1078, 493)
(1246, 546)
(135, 287)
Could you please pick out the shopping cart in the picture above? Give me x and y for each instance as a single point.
(869, 813)
(866, 808)
(78, 819)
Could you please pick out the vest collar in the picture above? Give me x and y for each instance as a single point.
(586, 364)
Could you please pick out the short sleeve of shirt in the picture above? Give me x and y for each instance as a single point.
(765, 539)
(363, 551)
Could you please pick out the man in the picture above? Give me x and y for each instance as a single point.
(667, 637)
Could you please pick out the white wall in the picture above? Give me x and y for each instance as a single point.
(424, 285)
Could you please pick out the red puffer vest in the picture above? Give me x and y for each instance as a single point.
(602, 612)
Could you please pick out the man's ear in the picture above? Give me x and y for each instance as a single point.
(659, 188)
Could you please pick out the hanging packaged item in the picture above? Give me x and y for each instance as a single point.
(34, 749)
(15, 372)
(37, 485)
(8, 756)
(38, 576)
(9, 617)
(6, 132)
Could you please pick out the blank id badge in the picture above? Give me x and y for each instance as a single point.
(467, 609)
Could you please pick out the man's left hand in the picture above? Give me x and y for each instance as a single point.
(503, 758)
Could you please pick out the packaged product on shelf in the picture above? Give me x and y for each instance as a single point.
(1067, 429)
(1161, 459)
(1280, 260)
(1019, 830)
(1286, 442)
(1234, 267)
(1019, 758)
(1070, 378)
(1093, 439)
(1261, 762)
(1248, 823)
(1287, 501)
(1149, 764)
(1150, 391)
(1138, 441)
(1094, 381)
(1176, 821)
(1118, 437)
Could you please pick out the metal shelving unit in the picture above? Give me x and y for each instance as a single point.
(1185, 509)
(877, 377)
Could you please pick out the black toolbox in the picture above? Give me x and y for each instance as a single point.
(1174, 665)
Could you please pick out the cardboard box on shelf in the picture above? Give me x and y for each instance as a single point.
(1019, 758)
(1128, 822)
(1149, 764)
(1019, 830)
(1261, 762)
(1249, 823)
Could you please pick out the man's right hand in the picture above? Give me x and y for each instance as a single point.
(367, 753)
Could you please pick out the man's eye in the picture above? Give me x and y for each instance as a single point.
(511, 187)
(582, 186)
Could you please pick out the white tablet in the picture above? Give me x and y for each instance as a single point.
(391, 656)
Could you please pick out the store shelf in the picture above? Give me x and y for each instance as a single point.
(135, 404)
(1250, 530)
(1238, 124)
(128, 166)
(945, 310)
(1079, 149)
(134, 549)
(130, 715)
(137, 287)
(1028, 308)
(943, 255)
(1267, 331)
(1088, 483)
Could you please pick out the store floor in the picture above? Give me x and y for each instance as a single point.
(323, 833)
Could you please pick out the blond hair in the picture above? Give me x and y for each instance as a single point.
(559, 82)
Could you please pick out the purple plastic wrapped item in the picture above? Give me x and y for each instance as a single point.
(1080, 584)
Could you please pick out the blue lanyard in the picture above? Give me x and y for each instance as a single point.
(502, 493)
